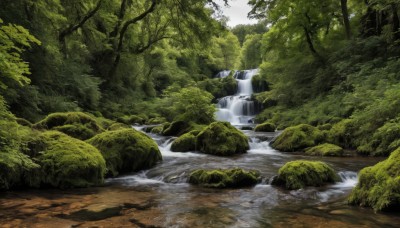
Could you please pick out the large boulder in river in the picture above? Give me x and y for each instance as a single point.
(185, 142)
(126, 150)
(224, 178)
(265, 127)
(222, 139)
(299, 174)
(66, 162)
(297, 138)
(325, 149)
(176, 128)
(379, 186)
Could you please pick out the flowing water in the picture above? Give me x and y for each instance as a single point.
(161, 197)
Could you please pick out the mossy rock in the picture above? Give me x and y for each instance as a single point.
(118, 126)
(222, 139)
(299, 174)
(76, 124)
(176, 128)
(224, 178)
(24, 122)
(325, 127)
(325, 149)
(126, 150)
(156, 120)
(297, 138)
(185, 142)
(265, 127)
(379, 186)
(133, 119)
(78, 131)
(17, 169)
(67, 162)
(342, 133)
(157, 129)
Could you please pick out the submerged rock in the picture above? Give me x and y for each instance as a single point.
(265, 127)
(325, 149)
(67, 162)
(126, 150)
(299, 174)
(297, 138)
(224, 178)
(379, 185)
(222, 139)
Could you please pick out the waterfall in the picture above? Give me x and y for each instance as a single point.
(238, 109)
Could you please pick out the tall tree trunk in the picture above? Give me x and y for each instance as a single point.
(346, 21)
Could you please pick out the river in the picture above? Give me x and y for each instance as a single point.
(160, 197)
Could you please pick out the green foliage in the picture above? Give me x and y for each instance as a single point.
(225, 51)
(379, 186)
(14, 40)
(251, 57)
(219, 87)
(224, 178)
(325, 149)
(222, 139)
(67, 162)
(190, 105)
(126, 150)
(297, 138)
(265, 127)
(185, 142)
(300, 174)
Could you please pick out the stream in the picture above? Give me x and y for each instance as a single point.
(160, 197)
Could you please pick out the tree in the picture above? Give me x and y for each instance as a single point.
(225, 51)
(251, 54)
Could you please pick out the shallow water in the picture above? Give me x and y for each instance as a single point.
(160, 197)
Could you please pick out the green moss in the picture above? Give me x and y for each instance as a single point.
(185, 143)
(117, 126)
(385, 140)
(133, 119)
(379, 186)
(24, 122)
(222, 139)
(126, 150)
(76, 124)
(17, 169)
(259, 84)
(228, 178)
(157, 129)
(297, 138)
(156, 120)
(265, 127)
(176, 128)
(325, 149)
(342, 133)
(68, 162)
(325, 127)
(78, 131)
(299, 174)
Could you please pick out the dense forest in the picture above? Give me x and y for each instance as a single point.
(76, 74)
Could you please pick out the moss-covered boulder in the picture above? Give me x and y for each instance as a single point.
(185, 142)
(224, 178)
(343, 133)
(379, 186)
(126, 150)
(222, 139)
(325, 149)
(67, 162)
(299, 174)
(17, 169)
(133, 119)
(76, 124)
(157, 129)
(265, 127)
(176, 128)
(156, 120)
(118, 126)
(297, 138)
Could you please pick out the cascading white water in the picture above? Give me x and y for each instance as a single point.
(238, 109)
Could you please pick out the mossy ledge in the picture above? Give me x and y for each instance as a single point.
(299, 174)
(265, 127)
(379, 185)
(325, 149)
(76, 124)
(222, 139)
(298, 138)
(126, 150)
(67, 162)
(224, 178)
